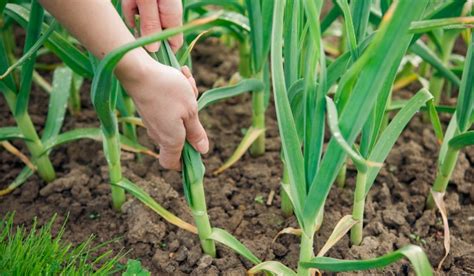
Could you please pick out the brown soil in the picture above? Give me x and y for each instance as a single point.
(395, 214)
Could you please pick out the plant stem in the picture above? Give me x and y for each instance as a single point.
(341, 176)
(258, 118)
(443, 175)
(202, 219)
(112, 153)
(129, 130)
(286, 206)
(75, 96)
(306, 253)
(319, 219)
(358, 208)
(244, 64)
(43, 164)
(437, 82)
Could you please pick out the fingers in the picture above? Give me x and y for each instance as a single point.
(195, 133)
(171, 13)
(170, 157)
(170, 140)
(149, 21)
(187, 73)
(129, 9)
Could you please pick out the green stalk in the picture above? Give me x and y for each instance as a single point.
(306, 253)
(258, 118)
(443, 175)
(129, 130)
(341, 176)
(112, 148)
(244, 63)
(358, 208)
(437, 82)
(201, 218)
(43, 164)
(75, 95)
(286, 205)
(319, 220)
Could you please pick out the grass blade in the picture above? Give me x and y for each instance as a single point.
(333, 121)
(466, 91)
(146, 199)
(13, 150)
(11, 133)
(314, 95)
(222, 236)
(349, 24)
(435, 122)
(214, 95)
(291, 34)
(360, 11)
(232, 4)
(438, 199)
(32, 50)
(276, 268)
(424, 26)
(290, 142)
(341, 228)
(420, 49)
(19, 180)
(250, 136)
(26, 76)
(462, 140)
(62, 82)
(96, 135)
(390, 135)
(65, 50)
(413, 253)
(392, 37)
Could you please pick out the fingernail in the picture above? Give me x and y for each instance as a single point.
(186, 71)
(203, 146)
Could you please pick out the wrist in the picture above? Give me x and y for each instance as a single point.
(133, 66)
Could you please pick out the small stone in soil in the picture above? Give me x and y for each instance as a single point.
(181, 254)
(279, 249)
(194, 255)
(205, 261)
(393, 218)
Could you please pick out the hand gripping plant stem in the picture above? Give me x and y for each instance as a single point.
(193, 174)
(105, 89)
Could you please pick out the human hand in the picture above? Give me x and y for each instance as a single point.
(155, 15)
(166, 101)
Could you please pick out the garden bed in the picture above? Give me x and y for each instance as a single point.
(237, 198)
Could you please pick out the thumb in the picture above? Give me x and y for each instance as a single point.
(196, 135)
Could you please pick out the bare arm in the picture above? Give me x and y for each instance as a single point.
(165, 97)
(98, 26)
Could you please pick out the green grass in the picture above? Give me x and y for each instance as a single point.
(39, 252)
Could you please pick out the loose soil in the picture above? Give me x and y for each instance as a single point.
(394, 216)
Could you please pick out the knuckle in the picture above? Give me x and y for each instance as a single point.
(191, 110)
(177, 41)
(127, 5)
(167, 164)
(144, 2)
(171, 145)
(150, 25)
(195, 135)
(171, 8)
(155, 137)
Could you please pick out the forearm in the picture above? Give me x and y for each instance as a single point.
(98, 26)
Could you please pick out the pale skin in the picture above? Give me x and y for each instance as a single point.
(165, 97)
